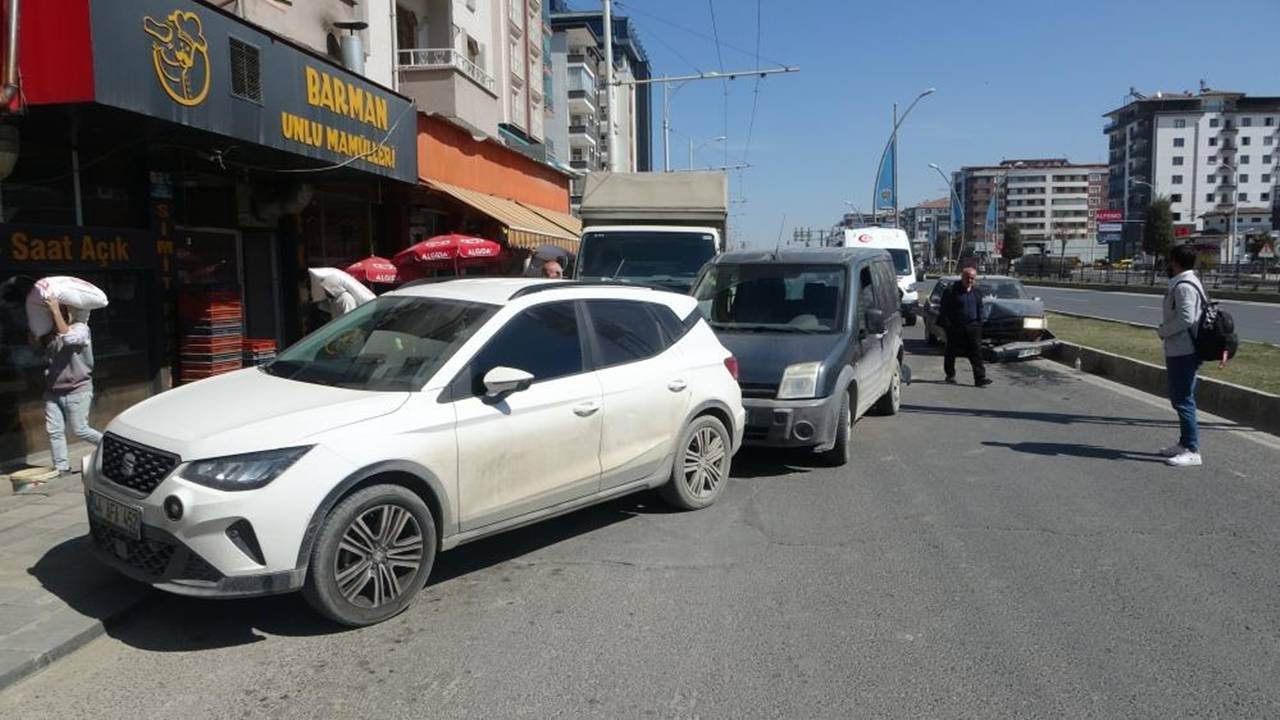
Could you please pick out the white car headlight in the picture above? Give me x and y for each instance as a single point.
(799, 381)
(1033, 323)
(242, 472)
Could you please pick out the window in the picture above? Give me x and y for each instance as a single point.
(1266, 159)
(1179, 124)
(392, 344)
(1244, 177)
(1179, 142)
(1213, 161)
(784, 297)
(246, 78)
(1211, 179)
(1266, 197)
(1176, 180)
(1270, 122)
(1244, 197)
(1246, 140)
(1176, 197)
(1208, 197)
(1244, 159)
(1226, 198)
(1213, 142)
(625, 331)
(1177, 160)
(1266, 177)
(1246, 122)
(543, 341)
(886, 287)
(1268, 140)
(1177, 217)
(1256, 220)
(1213, 122)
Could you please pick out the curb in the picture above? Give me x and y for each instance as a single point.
(1246, 406)
(1218, 293)
(74, 639)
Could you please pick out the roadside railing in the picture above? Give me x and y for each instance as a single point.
(1250, 277)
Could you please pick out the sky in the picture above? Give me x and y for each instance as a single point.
(1013, 79)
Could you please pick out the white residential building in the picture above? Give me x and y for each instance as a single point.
(1208, 153)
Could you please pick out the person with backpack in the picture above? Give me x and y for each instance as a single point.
(1184, 306)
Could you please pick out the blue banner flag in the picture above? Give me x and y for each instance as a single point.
(957, 212)
(991, 218)
(884, 179)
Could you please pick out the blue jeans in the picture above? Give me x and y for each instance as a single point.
(57, 408)
(1182, 395)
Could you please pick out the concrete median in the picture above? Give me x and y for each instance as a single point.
(1250, 407)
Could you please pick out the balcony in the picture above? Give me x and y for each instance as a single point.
(579, 164)
(582, 101)
(449, 84)
(582, 136)
(417, 59)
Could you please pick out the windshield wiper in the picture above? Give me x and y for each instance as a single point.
(766, 327)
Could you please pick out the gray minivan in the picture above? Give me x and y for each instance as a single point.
(818, 337)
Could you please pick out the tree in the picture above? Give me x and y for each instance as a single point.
(1012, 243)
(942, 245)
(1157, 230)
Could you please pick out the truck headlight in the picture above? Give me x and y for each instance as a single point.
(1033, 323)
(799, 381)
(242, 472)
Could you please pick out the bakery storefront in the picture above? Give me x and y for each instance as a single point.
(192, 166)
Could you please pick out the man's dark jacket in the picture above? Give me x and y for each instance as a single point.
(951, 310)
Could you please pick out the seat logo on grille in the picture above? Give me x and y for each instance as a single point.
(128, 465)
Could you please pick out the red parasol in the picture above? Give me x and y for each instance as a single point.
(373, 269)
(445, 251)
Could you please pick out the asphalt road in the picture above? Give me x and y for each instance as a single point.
(1015, 551)
(1254, 321)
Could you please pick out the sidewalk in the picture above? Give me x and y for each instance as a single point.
(54, 596)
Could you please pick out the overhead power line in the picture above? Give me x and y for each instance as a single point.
(683, 28)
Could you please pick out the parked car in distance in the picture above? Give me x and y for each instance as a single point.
(818, 337)
(432, 416)
(1014, 324)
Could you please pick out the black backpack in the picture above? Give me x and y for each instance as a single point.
(1216, 331)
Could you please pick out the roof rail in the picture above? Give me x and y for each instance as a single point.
(571, 284)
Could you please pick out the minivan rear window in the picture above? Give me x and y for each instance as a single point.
(776, 297)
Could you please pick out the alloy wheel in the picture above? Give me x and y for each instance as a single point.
(705, 462)
(378, 557)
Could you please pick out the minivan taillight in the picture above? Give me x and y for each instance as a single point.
(731, 364)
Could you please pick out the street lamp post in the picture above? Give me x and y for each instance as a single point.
(1143, 226)
(893, 137)
(952, 187)
(701, 145)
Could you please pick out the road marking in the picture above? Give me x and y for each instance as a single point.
(1256, 436)
(1150, 307)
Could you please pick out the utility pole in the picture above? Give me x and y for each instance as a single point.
(894, 169)
(608, 82)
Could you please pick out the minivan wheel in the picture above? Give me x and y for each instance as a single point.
(701, 468)
(374, 552)
(889, 403)
(839, 453)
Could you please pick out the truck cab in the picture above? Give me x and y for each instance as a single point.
(663, 256)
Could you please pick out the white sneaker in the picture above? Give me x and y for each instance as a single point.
(1186, 458)
(1172, 450)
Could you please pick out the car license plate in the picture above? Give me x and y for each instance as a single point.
(124, 518)
(1029, 352)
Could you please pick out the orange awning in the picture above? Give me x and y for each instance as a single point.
(526, 228)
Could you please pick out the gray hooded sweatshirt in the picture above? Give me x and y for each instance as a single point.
(70, 358)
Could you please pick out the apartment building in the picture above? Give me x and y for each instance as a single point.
(315, 24)
(924, 222)
(594, 114)
(1208, 152)
(1050, 199)
(477, 63)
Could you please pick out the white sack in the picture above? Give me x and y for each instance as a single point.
(328, 282)
(79, 295)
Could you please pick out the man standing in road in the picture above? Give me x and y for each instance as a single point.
(1182, 308)
(961, 314)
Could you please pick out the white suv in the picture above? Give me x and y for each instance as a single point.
(430, 417)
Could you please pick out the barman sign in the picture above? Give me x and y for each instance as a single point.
(192, 64)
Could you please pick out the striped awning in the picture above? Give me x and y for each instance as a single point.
(526, 227)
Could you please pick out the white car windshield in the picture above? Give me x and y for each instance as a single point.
(390, 344)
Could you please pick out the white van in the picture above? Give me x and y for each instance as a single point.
(899, 247)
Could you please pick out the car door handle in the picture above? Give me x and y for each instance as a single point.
(677, 385)
(586, 409)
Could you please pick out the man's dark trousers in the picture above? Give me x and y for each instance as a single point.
(965, 341)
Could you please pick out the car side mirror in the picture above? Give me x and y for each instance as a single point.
(875, 321)
(502, 381)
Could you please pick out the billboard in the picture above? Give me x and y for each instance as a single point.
(1110, 216)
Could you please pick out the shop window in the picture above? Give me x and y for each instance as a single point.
(246, 80)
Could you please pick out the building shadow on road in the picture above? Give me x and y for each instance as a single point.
(1057, 418)
(163, 622)
(1095, 452)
